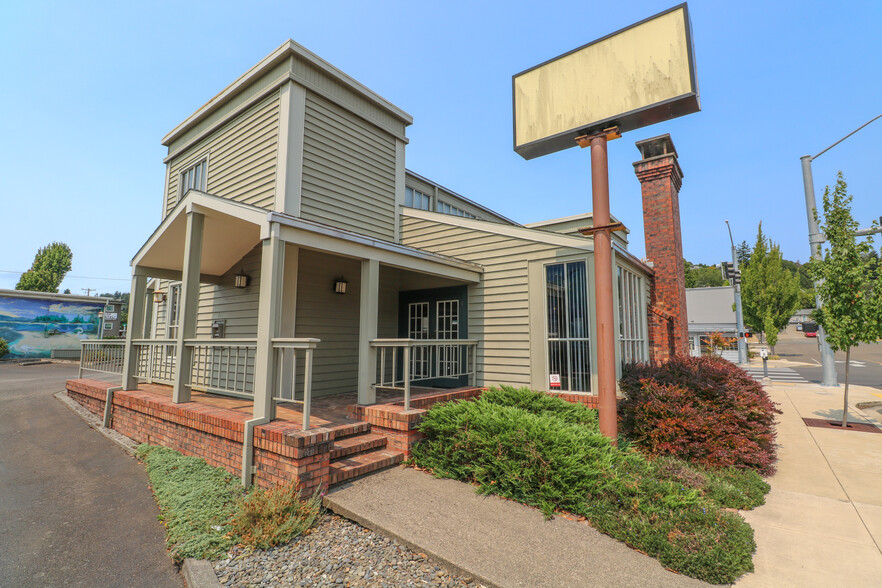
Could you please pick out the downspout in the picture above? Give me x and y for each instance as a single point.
(108, 406)
(248, 469)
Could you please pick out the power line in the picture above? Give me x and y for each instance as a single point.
(77, 277)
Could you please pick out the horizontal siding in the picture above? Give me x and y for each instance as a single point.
(499, 306)
(331, 317)
(241, 158)
(348, 171)
(237, 306)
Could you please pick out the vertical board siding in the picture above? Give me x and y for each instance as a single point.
(241, 158)
(348, 171)
(499, 306)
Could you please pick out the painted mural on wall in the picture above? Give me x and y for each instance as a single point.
(34, 327)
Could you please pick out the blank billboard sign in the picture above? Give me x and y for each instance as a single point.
(638, 76)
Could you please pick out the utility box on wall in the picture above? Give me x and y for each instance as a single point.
(218, 329)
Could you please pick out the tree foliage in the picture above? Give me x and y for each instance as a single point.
(769, 292)
(742, 252)
(851, 299)
(51, 264)
(699, 275)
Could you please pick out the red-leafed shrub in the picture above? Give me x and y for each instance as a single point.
(701, 409)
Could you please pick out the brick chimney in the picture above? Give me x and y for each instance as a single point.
(660, 179)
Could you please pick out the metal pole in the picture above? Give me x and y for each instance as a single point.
(603, 290)
(828, 361)
(739, 316)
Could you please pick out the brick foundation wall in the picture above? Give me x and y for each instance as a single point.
(281, 452)
(660, 179)
(399, 426)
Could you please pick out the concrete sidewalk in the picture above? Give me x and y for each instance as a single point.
(497, 541)
(822, 521)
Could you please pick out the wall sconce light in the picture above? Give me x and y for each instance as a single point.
(340, 286)
(158, 297)
(242, 279)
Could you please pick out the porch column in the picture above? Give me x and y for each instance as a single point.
(272, 264)
(189, 304)
(367, 330)
(135, 327)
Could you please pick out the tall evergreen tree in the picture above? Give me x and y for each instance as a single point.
(742, 252)
(851, 311)
(769, 292)
(51, 264)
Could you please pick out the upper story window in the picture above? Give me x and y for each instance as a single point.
(446, 208)
(193, 178)
(416, 199)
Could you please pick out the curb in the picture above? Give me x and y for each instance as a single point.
(329, 503)
(199, 573)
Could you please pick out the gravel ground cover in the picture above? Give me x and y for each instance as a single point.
(336, 552)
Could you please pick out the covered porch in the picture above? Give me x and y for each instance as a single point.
(235, 306)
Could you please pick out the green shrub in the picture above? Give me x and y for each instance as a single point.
(4, 347)
(266, 518)
(536, 456)
(704, 410)
(196, 502)
(539, 403)
(728, 487)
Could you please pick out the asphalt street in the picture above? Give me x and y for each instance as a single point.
(866, 360)
(75, 509)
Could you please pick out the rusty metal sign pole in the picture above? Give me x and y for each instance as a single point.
(603, 281)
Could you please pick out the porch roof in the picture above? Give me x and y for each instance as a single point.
(232, 229)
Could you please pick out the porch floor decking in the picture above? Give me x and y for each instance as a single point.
(327, 411)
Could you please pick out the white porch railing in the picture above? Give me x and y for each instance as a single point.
(155, 360)
(102, 355)
(292, 359)
(224, 366)
(426, 359)
(221, 366)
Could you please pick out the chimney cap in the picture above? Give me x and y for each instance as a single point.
(657, 146)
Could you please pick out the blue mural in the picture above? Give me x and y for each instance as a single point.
(33, 327)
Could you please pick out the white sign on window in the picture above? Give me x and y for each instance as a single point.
(554, 380)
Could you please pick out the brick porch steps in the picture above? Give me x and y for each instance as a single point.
(357, 444)
(358, 465)
(345, 431)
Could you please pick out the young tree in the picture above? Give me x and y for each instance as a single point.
(769, 292)
(51, 264)
(851, 311)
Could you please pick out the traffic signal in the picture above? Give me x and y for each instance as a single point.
(729, 272)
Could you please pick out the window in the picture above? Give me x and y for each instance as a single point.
(445, 208)
(193, 178)
(416, 199)
(632, 316)
(569, 347)
(108, 326)
(173, 306)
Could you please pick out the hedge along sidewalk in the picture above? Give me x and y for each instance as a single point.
(531, 448)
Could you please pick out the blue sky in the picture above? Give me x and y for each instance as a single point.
(89, 89)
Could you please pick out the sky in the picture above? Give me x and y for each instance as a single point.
(89, 89)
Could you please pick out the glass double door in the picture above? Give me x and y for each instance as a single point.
(435, 315)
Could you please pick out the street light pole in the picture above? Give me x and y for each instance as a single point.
(828, 362)
(739, 316)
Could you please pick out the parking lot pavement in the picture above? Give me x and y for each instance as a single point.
(75, 510)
